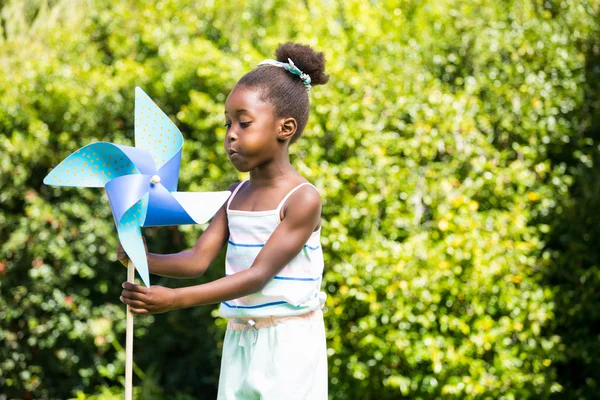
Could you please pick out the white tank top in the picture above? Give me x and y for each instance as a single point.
(295, 289)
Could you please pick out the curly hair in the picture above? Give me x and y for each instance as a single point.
(285, 91)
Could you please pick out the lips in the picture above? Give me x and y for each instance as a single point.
(232, 153)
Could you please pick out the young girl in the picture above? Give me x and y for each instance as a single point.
(274, 347)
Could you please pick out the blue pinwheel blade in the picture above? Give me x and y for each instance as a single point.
(164, 210)
(124, 192)
(130, 235)
(157, 134)
(181, 208)
(96, 164)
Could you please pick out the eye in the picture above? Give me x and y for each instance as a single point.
(227, 125)
(245, 124)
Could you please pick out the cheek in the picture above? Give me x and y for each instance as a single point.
(259, 138)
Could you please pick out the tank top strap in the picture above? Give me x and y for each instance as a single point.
(238, 187)
(287, 196)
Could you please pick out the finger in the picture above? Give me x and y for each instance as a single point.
(135, 288)
(133, 295)
(132, 303)
(139, 310)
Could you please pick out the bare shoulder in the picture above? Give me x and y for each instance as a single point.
(303, 206)
(307, 197)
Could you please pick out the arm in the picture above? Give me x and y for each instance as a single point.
(195, 261)
(301, 216)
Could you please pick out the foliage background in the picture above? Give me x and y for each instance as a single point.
(456, 147)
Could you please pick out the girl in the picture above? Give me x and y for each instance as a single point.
(274, 347)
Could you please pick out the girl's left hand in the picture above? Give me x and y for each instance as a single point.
(148, 300)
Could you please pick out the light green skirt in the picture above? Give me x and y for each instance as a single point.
(267, 361)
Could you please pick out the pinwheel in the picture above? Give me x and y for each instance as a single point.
(141, 184)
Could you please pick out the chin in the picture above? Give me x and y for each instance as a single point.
(241, 168)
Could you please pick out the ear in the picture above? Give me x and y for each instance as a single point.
(287, 129)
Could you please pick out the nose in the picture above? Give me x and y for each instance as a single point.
(231, 135)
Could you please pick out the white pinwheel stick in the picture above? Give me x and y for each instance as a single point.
(129, 341)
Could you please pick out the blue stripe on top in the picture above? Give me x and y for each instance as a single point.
(289, 278)
(276, 303)
(262, 245)
(286, 278)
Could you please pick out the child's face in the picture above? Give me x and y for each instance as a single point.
(251, 138)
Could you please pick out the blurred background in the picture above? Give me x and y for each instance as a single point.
(456, 148)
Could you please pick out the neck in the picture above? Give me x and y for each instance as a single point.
(273, 172)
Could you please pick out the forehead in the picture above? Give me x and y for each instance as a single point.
(243, 99)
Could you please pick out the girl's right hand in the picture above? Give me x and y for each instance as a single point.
(122, 256)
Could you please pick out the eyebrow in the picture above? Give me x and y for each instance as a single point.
(240, 111)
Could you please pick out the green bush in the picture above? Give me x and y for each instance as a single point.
(456, 148)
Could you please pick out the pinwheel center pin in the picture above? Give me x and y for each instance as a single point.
(155, 179)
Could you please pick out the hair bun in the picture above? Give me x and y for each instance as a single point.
(306, 59)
